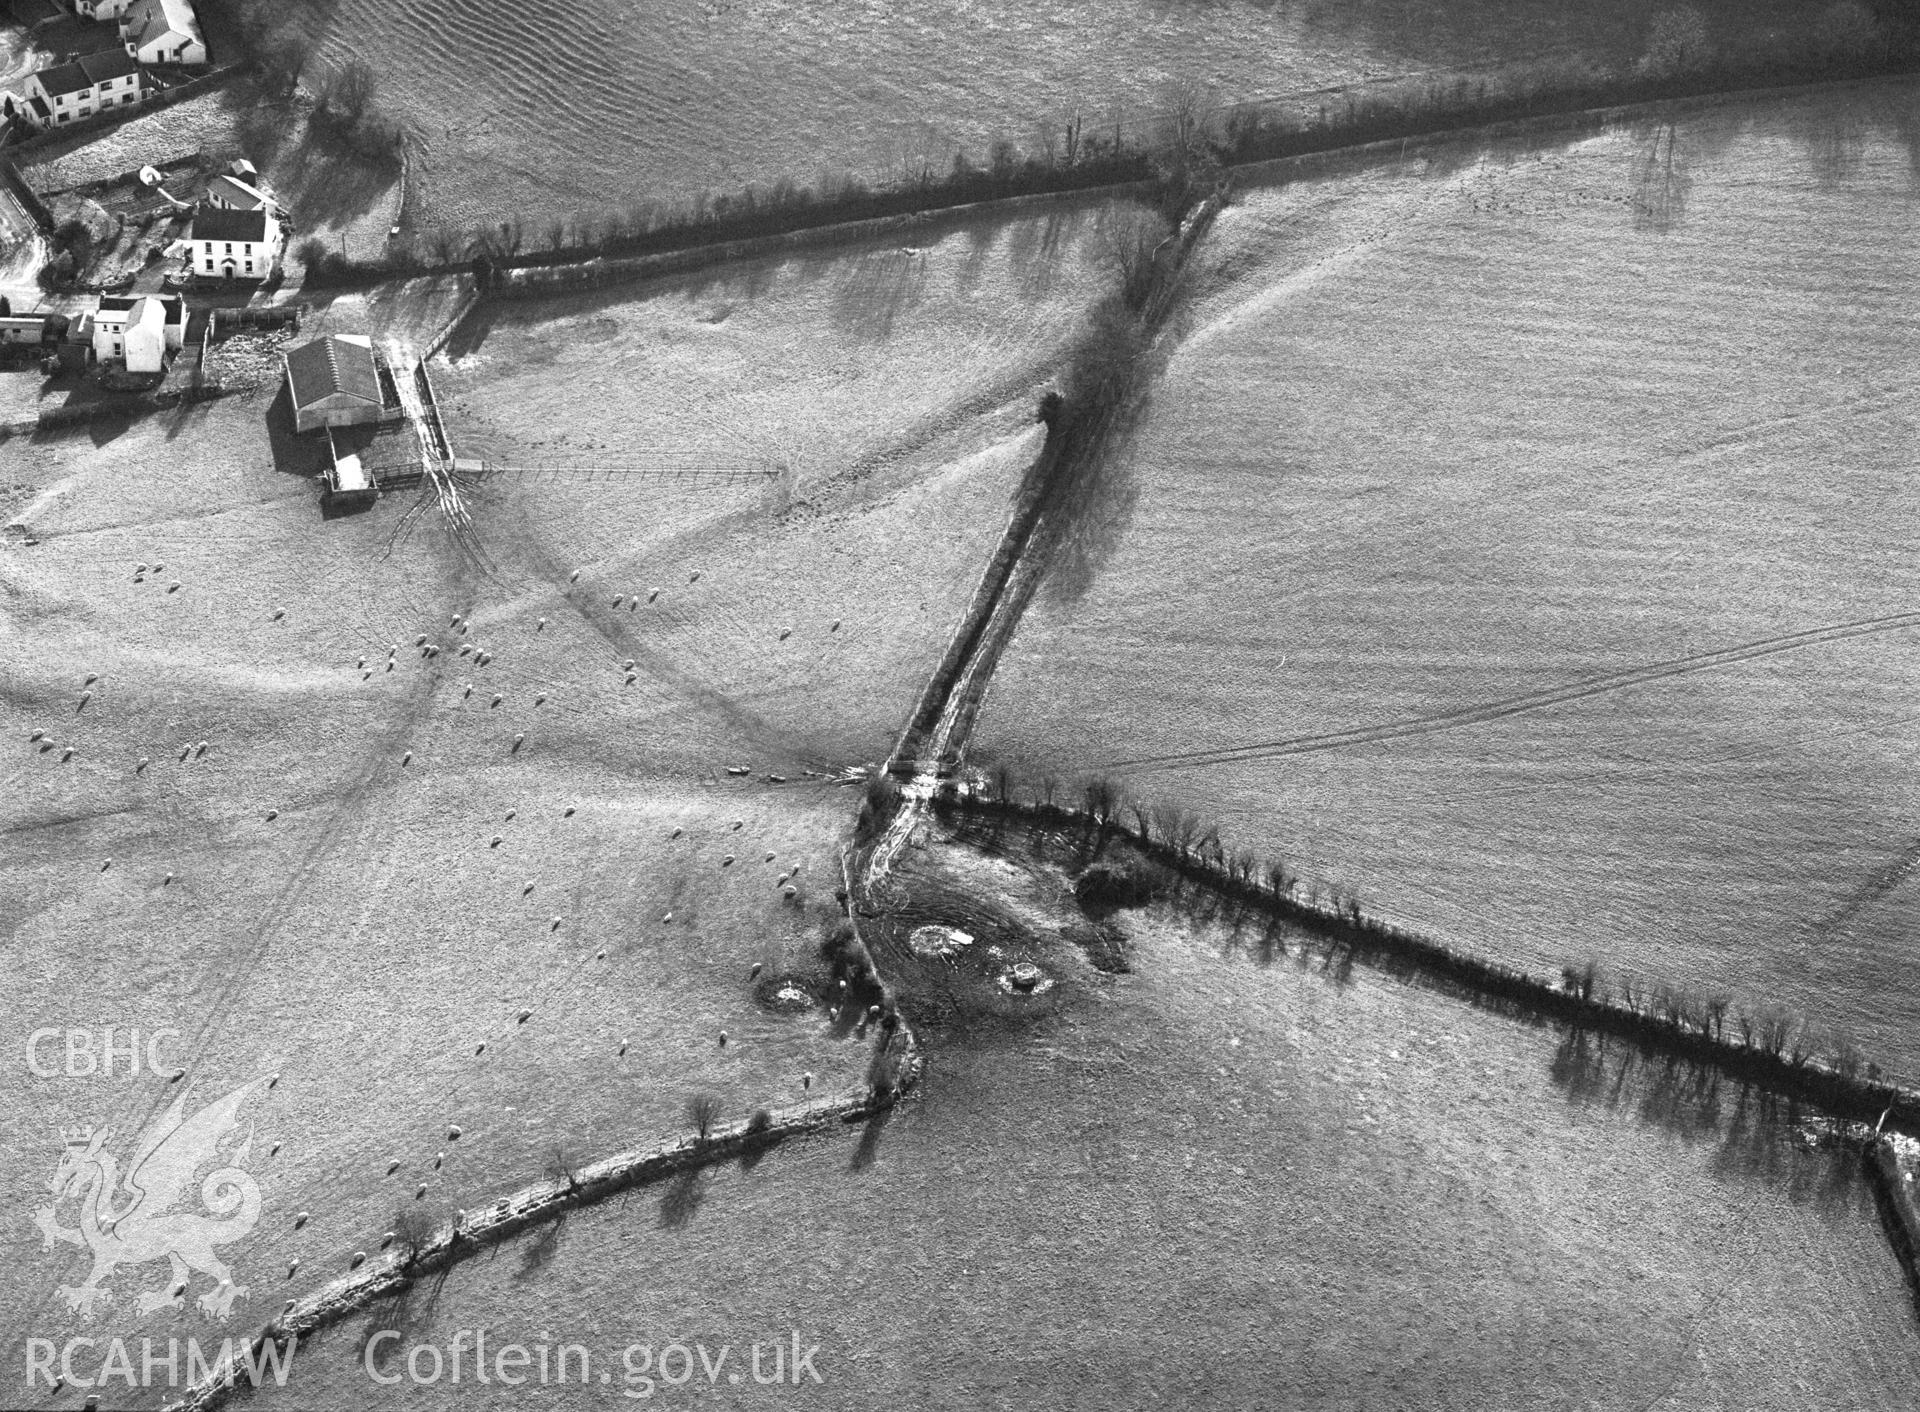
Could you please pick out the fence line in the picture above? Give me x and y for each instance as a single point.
(694, 473)
(36, 209)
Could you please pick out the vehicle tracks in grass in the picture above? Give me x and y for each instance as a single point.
(1528, 701)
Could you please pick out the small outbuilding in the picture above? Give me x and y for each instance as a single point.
(230, 193)
(37, 330)
(334, 382)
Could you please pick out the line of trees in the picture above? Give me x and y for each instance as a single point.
(276, 38)
(1188, 131)
(1771, 1044)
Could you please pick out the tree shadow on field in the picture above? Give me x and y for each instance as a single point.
(539, 1252)
(1039, 246)
(103, 431)
(1897, 112)
(1757, 1137)
(876, 287)
(407, 1313)
(1834, 137)
(870, 1135)
(1095, 506)
(982, 237)
(682, 1199)
(745, 281)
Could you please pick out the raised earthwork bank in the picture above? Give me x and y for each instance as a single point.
(1776, 1063)
(469, 1233)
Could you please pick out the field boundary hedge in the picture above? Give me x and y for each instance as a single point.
(1873, 1101)
(467, 1234)
(1278, 170)
(1259, 144)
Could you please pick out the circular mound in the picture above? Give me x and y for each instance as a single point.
(1025, 978)
(938, 943)
(785, 995)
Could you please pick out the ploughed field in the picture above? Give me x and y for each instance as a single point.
(563, 105)
(514, 888)
(1519, 540)
(1223, 1182)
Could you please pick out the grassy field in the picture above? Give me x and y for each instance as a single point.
(1230, 1185)
(556, 107)
(1450, 447)
(373, 869)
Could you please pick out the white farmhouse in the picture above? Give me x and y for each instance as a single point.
(78, 89)
(163, 32)
(138, 330)
(234, 244)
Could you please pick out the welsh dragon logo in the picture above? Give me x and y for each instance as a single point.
(132, 1221)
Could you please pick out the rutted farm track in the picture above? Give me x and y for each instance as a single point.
(1079, 437)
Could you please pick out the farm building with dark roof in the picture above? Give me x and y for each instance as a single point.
(334, 382)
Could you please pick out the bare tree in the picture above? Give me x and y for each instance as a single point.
(563, 1166)
(513, 236)
(1717, 1004)
(1776, 1025)
(279, 56)
(348, 93)
(412, 1229)
(1126, 241)
(1189, 114)
(1047, 140)
(1102, 801)
(703, 1109)
(1845, 1054)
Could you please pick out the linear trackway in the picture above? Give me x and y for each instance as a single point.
(1528, 701)
(931, 747)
